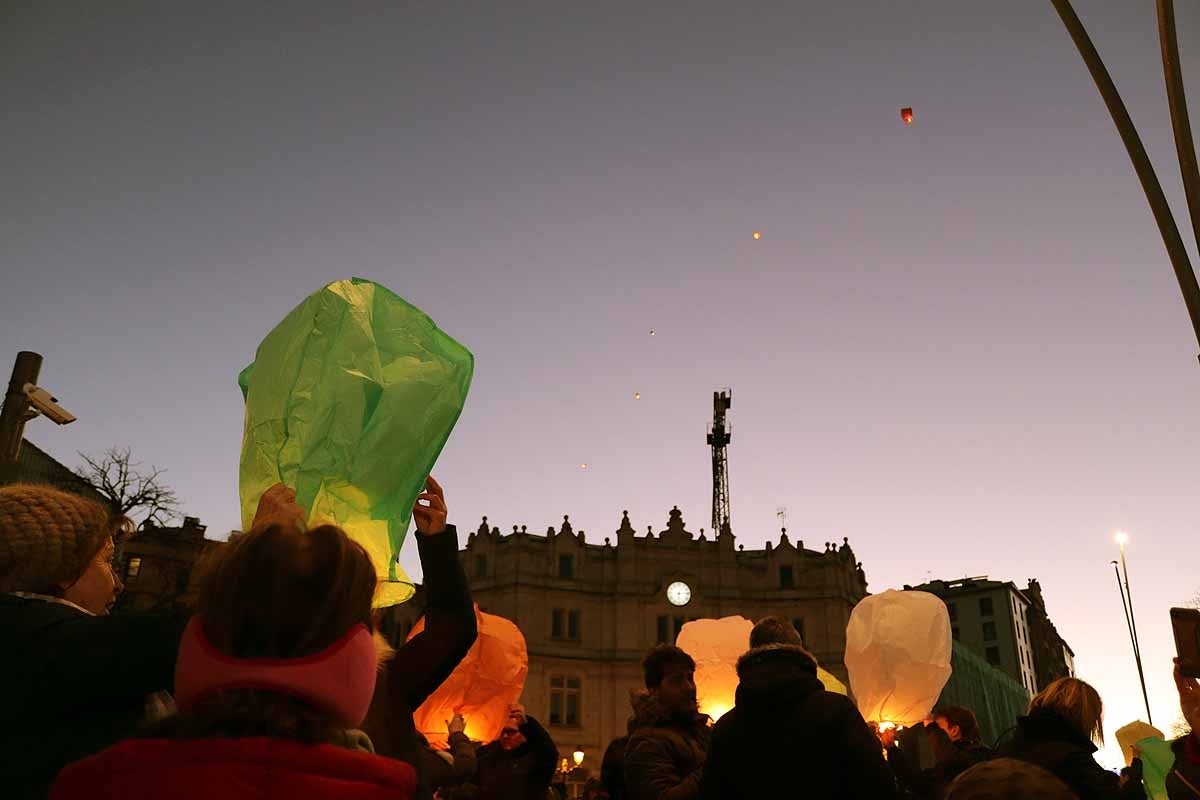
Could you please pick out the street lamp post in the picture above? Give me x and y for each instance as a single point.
(1130, 620)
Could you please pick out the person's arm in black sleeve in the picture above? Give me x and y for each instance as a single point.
(541, 744)
(462, 750)
(426, 660)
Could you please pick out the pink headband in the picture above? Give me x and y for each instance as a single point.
(339, 680)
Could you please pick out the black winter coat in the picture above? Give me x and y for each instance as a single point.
(786, 727)
(425, 661)
(73, 684)
(951, 760)
(522, 773)
(1048, 740)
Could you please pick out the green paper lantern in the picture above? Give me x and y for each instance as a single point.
(349, 401)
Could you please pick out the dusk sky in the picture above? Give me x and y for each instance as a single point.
(959, 343)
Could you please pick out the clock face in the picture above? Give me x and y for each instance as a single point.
(679, 593)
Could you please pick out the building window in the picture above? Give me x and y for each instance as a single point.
(993, 656)
(564, 700)
(678, 626)
(798, 624)
(953, 611)
(574, 625)
(480, 566)
(566, 567)
(985, 607)
(954, 632)
(663, 629)
(989, 631)
(132, 569)
(565, 624)
(787, 579)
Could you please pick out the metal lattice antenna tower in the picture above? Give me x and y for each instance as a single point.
(719, 434)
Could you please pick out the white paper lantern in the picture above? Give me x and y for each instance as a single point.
(715, 645)
(898, 648)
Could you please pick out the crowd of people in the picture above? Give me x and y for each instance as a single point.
(279, 683)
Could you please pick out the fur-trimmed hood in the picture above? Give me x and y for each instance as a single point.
(773, 671)
(648, 712)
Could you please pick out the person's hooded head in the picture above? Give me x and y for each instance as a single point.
(58, 544)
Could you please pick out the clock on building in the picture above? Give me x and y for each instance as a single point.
(679, 593)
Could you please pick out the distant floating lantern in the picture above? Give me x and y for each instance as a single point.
(757, 235)
(715, 645)
(637, 395)
(488, 680)
(652, 331)
(583, 466)
(906, 115)
(898, 648)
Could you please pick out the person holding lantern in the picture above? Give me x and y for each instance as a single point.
(785, 716)
(668, 736)
(520, 764)
(953, 733)
(273, 679)
(423, 662)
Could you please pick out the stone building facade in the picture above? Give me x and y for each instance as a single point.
(590, 611)
(159, 566)
(1007, 626)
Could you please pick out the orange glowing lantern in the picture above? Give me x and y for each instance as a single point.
(898, 655)
(482, 687)
(757, 235)
(906, 115)
(715, 645)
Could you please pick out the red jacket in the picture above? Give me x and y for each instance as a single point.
(233, 769)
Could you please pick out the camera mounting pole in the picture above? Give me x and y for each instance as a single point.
(16, 412)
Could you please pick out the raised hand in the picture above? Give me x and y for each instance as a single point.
(277, 506)
(431, 517)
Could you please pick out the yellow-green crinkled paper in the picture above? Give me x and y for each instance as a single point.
(349, 401)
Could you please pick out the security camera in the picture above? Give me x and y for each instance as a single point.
(48, 406)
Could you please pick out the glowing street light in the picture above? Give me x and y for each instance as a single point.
(1122, 539)
(577, 756)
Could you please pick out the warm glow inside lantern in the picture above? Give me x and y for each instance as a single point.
(898, 649)
(715, 645)
(906, 115)
(482, 687)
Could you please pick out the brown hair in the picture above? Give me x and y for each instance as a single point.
(282, 593)
(1075, 701)
(962, 718)
(277, 593)
(659, 659)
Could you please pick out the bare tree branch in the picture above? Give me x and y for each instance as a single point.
(136, 493)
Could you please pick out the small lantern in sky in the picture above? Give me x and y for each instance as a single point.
(637, 395)
(652, 331)
(715, 645)
(583, 466)
(488, 680)
(906, 115)
(757, 235)
(898, 649)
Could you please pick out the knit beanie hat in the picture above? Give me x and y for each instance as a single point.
(47, 536)
(1008, 779)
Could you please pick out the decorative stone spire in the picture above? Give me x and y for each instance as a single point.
(483, 528)
(783, 539)
(626, 525)
(566, 526)
(676, 530)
